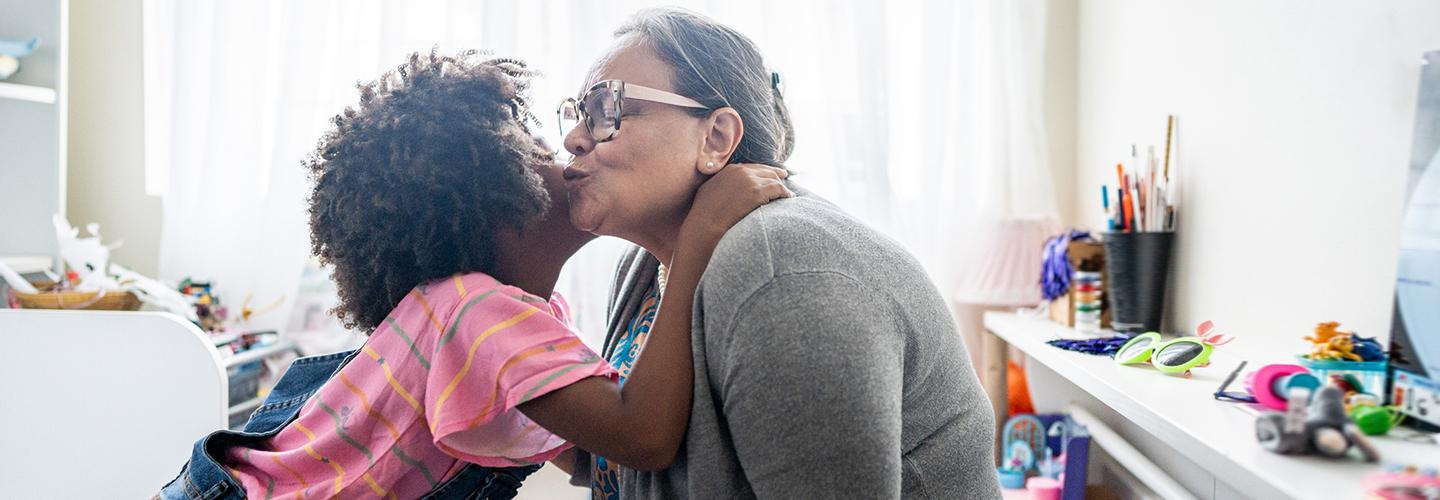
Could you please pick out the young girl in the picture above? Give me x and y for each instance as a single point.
(446, 223)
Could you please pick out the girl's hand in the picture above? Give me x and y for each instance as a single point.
(598, 414)
(731, 194)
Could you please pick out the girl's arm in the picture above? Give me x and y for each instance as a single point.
(642, 424)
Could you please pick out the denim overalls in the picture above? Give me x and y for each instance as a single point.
(204, 478)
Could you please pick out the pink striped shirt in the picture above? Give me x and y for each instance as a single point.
(435, 386)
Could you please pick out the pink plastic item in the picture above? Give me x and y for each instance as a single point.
(1043, 488)
(1264, 379)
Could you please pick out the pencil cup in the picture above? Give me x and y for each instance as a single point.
(1137, 264)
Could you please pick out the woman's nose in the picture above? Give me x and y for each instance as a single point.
(578, 141)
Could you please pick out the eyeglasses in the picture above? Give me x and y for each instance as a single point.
(1173, 356)
(1222, 394)
(603, 104)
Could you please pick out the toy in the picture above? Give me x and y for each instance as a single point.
(1326, 331)
(1043, 488)
(1376, 420)
(1024, 429)
(1272, 384)
(1330, 343)
(1321, 427)
(1174, 356)
(86, 257)
(211, 313)
(246, 312)
(1051, 466)
(1403, 483)
(1023, 438)
(10, 53)
(1018, 462)
(1337, 348)
(1369, 349)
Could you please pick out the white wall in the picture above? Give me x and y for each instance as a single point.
(32, 139)
(107, 146)
(1295, 120)
(1058, 100)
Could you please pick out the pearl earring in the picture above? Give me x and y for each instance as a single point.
(709, 164)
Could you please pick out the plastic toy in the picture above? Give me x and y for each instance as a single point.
(1330, 343)
(1023, 435)
(1376, 420)
(1025, 429)
(1043, 488)
(1339, 347)
(1369, 349)
(1403, 483)
(1321, 427)
(1272, 384)
(1326, 331)
(10, 53)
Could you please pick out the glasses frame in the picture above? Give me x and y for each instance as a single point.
(1222, 394)
(622, 91)
(1157, 345)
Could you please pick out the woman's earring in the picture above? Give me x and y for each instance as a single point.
(710, 164)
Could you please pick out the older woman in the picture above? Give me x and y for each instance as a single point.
(826, 363)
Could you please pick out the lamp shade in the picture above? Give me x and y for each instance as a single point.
(1005, 269)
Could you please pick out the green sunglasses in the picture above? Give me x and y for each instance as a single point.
(1172, 356)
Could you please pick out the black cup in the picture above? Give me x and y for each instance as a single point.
(1136, 265)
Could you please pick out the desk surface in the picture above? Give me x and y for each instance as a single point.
(1218, 436)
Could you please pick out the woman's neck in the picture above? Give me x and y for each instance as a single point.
(659, 235)
(659, 240)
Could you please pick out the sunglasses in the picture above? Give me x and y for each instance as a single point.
(603, 104)
(1222, 394)
(1173, 356)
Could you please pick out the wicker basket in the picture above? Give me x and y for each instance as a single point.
(107, 301)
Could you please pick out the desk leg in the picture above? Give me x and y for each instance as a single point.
(996, 386)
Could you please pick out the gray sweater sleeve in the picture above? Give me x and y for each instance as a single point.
(828, 426)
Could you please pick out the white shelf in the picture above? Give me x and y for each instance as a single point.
(30, 93)
(25, 264)
(259, 353)
(1181, 412)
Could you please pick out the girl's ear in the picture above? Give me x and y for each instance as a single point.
(722, 136)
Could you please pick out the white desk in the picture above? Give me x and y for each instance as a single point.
(1181, 412)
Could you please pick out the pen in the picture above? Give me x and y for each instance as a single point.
(1105, 202)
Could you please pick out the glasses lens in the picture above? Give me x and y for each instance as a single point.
(1135, 348)
(1179, 353)
(568, 115)
(602, 110)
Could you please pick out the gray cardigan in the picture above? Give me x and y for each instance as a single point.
(826, 366)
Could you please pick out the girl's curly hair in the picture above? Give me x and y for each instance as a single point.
(411, 184)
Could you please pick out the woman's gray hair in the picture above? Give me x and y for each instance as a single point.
(720, 67)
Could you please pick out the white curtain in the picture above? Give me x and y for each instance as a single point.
(920, 118)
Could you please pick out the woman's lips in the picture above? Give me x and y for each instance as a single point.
(574, 179)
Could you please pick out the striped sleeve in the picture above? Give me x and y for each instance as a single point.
(502, 348)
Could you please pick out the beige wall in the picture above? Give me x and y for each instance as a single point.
(106, 177)
(1061, 51)
(1295, 120)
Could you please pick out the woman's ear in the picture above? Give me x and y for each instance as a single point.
(725, 129)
